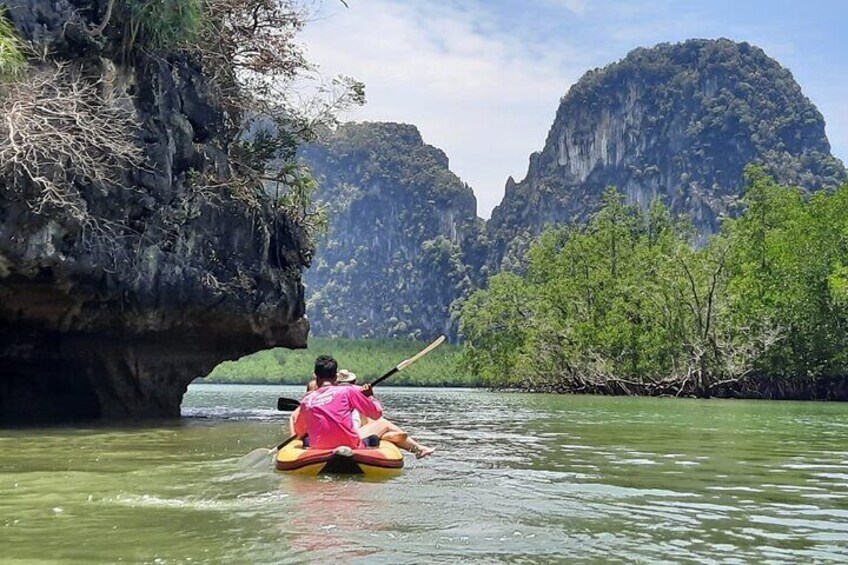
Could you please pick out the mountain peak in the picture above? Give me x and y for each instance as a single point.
(678, 122)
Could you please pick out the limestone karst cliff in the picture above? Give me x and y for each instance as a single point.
(677, 122)
(404, 240)
(121, 284)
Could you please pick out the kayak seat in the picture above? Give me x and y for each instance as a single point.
(371, 441)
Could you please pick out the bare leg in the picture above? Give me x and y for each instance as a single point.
(384, 429)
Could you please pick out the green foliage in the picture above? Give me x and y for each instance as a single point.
(788, 271)
(12, 59)
(162, 24)
(367, 358)
(604, 301)
(294, 190)
(627, 304)
(493, 324)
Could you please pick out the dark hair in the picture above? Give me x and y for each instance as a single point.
(325, 368)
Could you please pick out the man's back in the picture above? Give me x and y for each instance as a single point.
(327, 416)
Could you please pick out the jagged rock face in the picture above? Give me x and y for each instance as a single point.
(676, 122)
(404, 238)
(113, 318)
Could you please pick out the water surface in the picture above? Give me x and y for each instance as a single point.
(518, 478)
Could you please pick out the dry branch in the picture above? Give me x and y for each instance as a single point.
(58, 132)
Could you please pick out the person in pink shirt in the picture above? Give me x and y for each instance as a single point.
(326, 415)
(332, 414)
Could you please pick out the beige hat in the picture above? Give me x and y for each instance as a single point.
(345, 376)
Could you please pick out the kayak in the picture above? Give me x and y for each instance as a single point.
(383, 461)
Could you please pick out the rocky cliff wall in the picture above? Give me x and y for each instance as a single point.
(404, 239)
(111, 306)
(676, 122)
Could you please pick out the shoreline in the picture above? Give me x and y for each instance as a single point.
(202, 380)
(821, 389)
(829, 389)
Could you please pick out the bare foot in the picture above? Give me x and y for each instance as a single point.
(423, 452)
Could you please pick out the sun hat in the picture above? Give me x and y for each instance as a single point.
(345, 376)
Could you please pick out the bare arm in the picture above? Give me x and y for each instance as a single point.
(370, 407)
(299, 423)
(292, 421)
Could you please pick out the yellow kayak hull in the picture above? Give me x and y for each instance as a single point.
(376, 462)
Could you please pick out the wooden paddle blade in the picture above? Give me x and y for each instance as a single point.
(406, 363)
(287, 404)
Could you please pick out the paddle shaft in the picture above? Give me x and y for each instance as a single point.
(386, 376)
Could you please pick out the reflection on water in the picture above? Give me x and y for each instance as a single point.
(517, 478)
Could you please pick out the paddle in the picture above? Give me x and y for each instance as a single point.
(287, 404)
(260, 455)
(290, 404)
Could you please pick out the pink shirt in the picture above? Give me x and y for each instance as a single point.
(327, 416)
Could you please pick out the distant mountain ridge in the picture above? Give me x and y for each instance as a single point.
(677, 122)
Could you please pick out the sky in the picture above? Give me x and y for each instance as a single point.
(482, 79)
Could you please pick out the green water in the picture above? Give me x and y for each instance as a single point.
(517, 478)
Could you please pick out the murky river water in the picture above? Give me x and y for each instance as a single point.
(517, 478)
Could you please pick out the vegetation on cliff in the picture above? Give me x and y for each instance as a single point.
(626, 304)
(140, 243)
(368, 358)
(12, 59)
(404, 240)
(678, 122)
(74, 119)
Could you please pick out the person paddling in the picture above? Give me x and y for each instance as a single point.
(369, 428)
(381, 427)
(326, 415)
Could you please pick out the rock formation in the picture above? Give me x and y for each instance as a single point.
(677, 122)
(110, 306)
(404, 240)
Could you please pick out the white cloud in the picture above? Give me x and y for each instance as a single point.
(487, 100)
(482, 79)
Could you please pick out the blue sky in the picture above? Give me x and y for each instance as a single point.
(482, 78)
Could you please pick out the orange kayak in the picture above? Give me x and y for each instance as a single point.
(385, 460)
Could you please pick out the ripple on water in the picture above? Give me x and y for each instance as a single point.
(517, 478)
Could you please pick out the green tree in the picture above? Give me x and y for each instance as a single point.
(627, 304)
(493, 323)
(788, 257)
